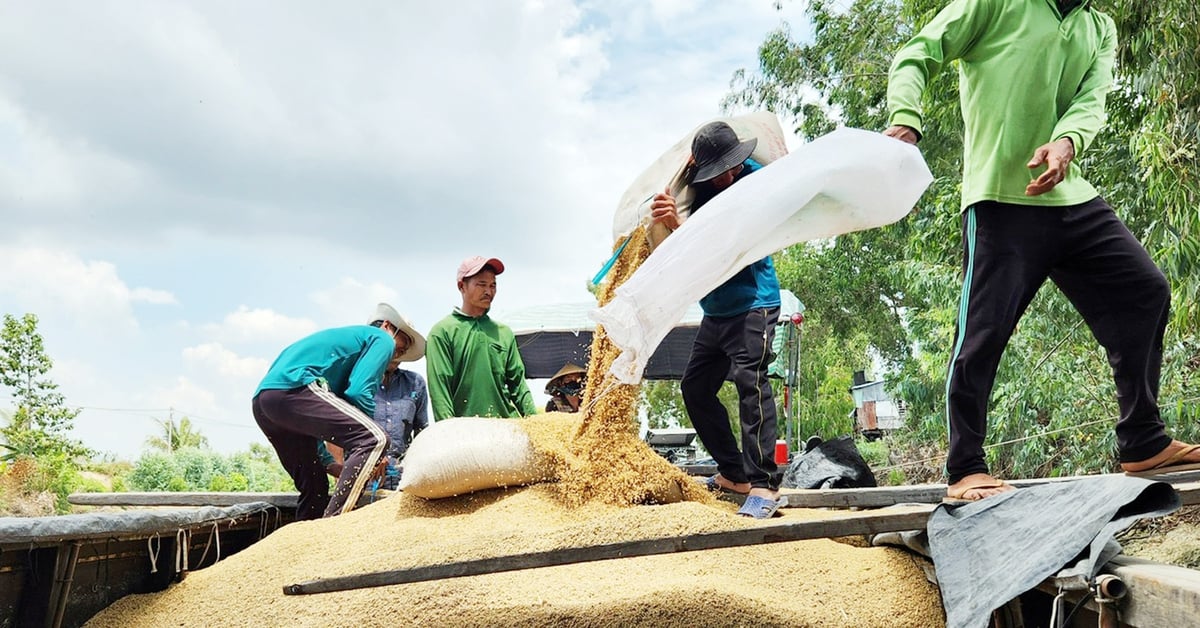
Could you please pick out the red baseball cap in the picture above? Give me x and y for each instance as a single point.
(472, 266)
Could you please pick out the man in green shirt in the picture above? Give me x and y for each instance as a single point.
(1033, 78)
(471, 361)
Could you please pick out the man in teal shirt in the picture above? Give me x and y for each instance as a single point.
(322, 388)
(1033, 78)
(472, 364)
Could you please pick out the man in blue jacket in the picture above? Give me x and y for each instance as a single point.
(322, 388)
(734, 338)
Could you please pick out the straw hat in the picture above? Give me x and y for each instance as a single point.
(416, 349)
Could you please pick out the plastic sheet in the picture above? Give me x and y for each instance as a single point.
(846, 181)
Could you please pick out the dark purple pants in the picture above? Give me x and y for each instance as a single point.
(1009, 252)
(295, 420)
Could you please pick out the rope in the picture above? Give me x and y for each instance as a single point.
(153, 551)
(182, 540)
(216, 532)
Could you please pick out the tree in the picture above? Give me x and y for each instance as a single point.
(39, 426)
(897, 287)
(176, 436)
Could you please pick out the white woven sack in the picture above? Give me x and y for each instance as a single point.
(667, 171)
(462, 455)
(845, 181)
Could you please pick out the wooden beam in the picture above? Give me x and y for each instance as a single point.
(1185, 483)
(279, 500)
(869, 523)
(1157, 594)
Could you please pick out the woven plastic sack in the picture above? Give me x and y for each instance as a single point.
(667, 171)
(463, 455)
(845, 181)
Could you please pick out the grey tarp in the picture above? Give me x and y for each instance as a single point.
(989, 552)
(118, 524)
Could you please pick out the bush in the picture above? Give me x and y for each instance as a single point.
(153, 472)
(31, 487)
(192, 469)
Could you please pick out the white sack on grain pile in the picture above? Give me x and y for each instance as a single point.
(462, 455)
(845, 181)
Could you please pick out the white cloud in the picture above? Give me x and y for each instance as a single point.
(268, 182)
(59, 285)
(352, 302)
(216, 357)
(259, 325)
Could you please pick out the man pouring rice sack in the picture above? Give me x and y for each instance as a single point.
(734, 338)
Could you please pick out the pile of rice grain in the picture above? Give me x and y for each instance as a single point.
(606, 461)
(806, 583)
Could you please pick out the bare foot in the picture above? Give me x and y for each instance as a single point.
(977, 486)
(765, 493)
(1164, 457)
(729, 485)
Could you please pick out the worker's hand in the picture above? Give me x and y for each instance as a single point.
(1057, 156)
(380, 469)
(902, 133)
(334, 470)
(662, 210)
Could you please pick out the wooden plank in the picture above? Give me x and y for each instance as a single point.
(279, 500)
(1157, 594)
(871, 523)
(933, 493)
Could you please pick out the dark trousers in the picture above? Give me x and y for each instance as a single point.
(742, 342)
(1008, 252)
(295, 420)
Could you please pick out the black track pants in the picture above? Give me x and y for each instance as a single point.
(1009, 251)
(295, 420)
(743, 341)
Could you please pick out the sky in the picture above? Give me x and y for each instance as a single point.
(188, 187)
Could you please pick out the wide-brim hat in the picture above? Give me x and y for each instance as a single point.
(567, 369)
(716, 149)
(416, 348)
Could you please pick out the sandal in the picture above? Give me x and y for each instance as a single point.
(1170, 465)
(759, 508)
(959, 496)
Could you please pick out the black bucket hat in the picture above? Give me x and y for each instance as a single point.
(716, 149)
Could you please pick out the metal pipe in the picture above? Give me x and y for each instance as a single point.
(64, 585)
(1110, 587)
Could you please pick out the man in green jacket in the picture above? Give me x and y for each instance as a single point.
(471, 361)
(1033, 78)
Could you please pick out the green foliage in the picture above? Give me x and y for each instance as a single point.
(24, 480)
(875, 453)
(40, 425)
(177, 436)
(193, 469)
(663, 404)
(890, 295)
